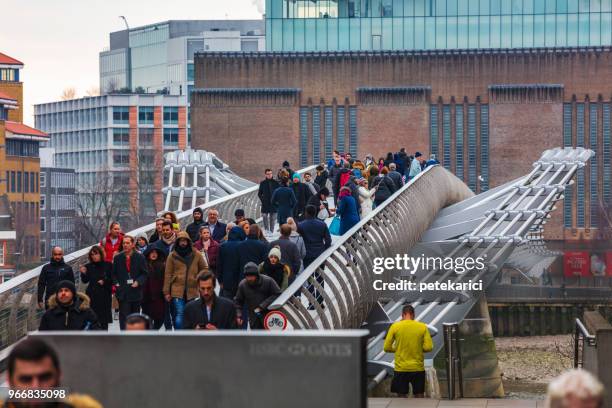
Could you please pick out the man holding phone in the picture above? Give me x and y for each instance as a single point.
(209, 311)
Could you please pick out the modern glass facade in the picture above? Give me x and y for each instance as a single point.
(341, 25)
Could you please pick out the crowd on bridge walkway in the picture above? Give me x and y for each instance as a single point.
(169, 278)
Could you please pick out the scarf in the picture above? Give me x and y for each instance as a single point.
(183, 252)
(169, 241)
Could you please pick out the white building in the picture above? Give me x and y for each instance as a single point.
(159, 57)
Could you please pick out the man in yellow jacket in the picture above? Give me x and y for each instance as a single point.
(409, 340)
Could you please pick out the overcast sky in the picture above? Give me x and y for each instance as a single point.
(59, 40)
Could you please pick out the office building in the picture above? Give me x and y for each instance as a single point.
(115, 144)
(19, 167)
(365, 25)
(159, 57)
(487, 115)
(58, 202)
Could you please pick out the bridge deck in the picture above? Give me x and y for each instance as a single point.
(467, 402)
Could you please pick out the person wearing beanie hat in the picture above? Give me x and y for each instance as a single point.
(274, 268)
(193, 229)
(415, 166)
(302, 194)
(287, 167)
(256, 292)
(68, 310)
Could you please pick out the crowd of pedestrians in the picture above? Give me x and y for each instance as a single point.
(170, 277)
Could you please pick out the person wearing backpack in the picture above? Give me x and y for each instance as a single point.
(385, 187)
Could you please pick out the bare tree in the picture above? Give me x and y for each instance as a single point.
(68, 94)
(111, 85)
(100, 201)
(93, 91)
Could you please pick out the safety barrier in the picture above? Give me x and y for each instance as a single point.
(18, 297)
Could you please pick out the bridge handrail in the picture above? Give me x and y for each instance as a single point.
(350, 270)
(15, 324)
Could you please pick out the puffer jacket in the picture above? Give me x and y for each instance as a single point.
(77, 316)
(180, 280)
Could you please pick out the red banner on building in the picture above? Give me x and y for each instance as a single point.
(576, 263)
(609, 263)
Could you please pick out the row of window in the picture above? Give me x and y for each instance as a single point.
(463, 136)
(429, 8)
(26, 213)
(22, 148)
(419, 33)
(121, 115)
(9, 74)
(310, 130)
(22, 182)
(72, 120)
(58, 224)
(599, 168)
(58, 202)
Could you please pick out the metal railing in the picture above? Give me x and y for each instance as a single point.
(454, 368)
(346, 279)
(18, 296)
(582, 339)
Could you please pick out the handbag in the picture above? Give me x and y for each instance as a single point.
(334, 227)
(323, 214)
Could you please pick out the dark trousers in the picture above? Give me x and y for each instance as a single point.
(319, 279)
(125, 309)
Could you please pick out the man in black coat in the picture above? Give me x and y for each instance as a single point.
(302, 194)
(256, 292)
(68, 310)
(217, 228)
(51, 274)
(316, 235)
(129, 275)
(193, 229)
(253, 249)
(209, 312)
(395, 176)
(268, 212)
(316, 239)
(228, 263)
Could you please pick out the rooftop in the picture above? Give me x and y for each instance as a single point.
(19, 129)
(6, 60)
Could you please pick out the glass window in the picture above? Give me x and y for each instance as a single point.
(121, 157)
(26, 182)
(43, 199)
(145, 137)
(121, 115)
(170, 137)
(145, 115)
(171, 115)
(13, 182)
(121, 137)
(33, 182)
(191, 71)
(19, 186)
(43, 224)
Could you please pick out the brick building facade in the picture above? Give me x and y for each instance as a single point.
(486, 114)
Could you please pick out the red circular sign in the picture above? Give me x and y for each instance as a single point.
(275, 320)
